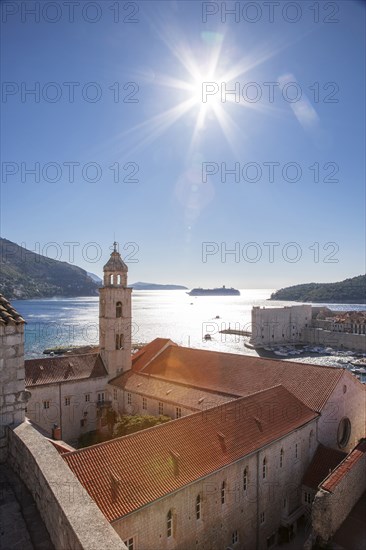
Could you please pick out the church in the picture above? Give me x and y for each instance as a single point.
(257, 450)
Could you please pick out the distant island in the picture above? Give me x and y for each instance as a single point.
(154, 286)
(25, 275)
(349, 291)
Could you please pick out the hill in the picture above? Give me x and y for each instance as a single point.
(155, 286)
(349, 291)
(25, 274)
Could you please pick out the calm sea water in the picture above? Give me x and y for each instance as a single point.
(168, 314)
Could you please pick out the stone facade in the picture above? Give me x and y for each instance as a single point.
(74, 406)
(12, 390)
(279, 325)
(250, 516)
(323, 337)
(115, 323)
(346, 401)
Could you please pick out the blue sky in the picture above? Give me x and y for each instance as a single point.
(176, 147)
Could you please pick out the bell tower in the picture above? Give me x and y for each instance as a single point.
(115, 316)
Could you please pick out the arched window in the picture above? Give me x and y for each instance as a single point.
(264, 468)
(169, 524)
(296, 450)
(198, 507)
(119, 309)
(281, 458)
(245, 479)
(121, 341)
(118, 279)
(344, 432)
(223, 488)
(117, 341)
(111, 279)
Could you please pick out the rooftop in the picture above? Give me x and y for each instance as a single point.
(165, 458)
(52, 370)
(242, 374)
(324, 460)
(9, 315)
(331, 481)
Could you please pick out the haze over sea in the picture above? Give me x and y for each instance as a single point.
(167, 314)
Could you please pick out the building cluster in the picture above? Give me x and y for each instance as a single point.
(305, 324)
(256, 448)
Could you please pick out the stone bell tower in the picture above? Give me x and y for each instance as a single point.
(115, 316)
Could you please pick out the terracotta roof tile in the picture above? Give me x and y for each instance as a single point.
(324, 460)
(244, 374)
(165, 458)
(344, 467)
(166, 391)
(8, 314)
(63, 369)
(149, 352)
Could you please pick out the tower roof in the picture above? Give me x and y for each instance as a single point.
(115, 262)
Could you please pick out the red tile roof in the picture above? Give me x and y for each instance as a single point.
(63, 369)
(244, 374)
(324, 460)
(127, 473)
(8, 314)
(166, 391)
(149, 352)
(331, 482)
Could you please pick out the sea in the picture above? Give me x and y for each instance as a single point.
(173, 314)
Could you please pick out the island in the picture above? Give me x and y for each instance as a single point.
(349, 291)
(155, 286)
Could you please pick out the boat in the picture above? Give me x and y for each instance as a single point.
(223, 291)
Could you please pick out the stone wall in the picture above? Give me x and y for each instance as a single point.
(68, 417)
(279, 325)
(318, 336)
(73, 520)
(330, 509)
(348, 399)
(12, 394)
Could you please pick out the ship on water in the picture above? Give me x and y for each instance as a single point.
(223, 291)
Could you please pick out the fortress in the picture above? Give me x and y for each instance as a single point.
(257, 451)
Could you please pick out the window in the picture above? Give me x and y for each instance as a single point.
(307, 498)
(296, 450)
(223, 487)
(281, 458)
(344, 432)
(284, 503)
(169, 524)
(234, 537)
(46, 404)
(198, 507)
(115, 396)
(87, 397)
(262, 518)
(178, 412)
(264, 468)
(118, 279)
(161, 407)
(129, 543)
(311, 435)
(119, 309)
(245, 479)
(120, 341)
(129, 399)
(144, 403)
(67, 401)
(101, 397)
